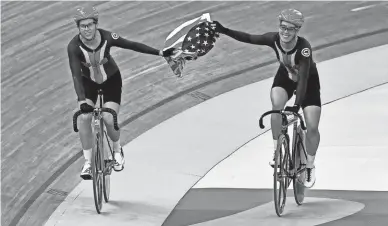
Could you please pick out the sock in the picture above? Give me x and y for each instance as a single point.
(88, 155)
(117, 146)
(275, 144)
(310, 161)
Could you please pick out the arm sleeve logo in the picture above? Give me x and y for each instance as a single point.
(306, 52)
(115, 36)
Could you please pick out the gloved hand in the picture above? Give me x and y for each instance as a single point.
(218, 27)
(294, 108)
(86, 108)
(168, 52)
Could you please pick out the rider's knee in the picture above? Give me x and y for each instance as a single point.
(277, 105)
(108, 119)
(279, 98)
(312, 130)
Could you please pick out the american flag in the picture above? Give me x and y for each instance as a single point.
(193, 39)
(200, 39)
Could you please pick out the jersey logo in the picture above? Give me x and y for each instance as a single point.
(115, 36)
(305, 52)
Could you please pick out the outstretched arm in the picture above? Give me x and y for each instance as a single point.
(135, 46)
(248, 38)
(140, 47)
(265, 39)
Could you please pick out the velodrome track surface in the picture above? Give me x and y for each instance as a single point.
(38, 143)
(237, 190)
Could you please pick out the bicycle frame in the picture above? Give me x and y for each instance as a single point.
(101, 168)
(286, 123)
(98, 125)
(99, 132)
(287, 164)
(98, 158)
(297, 132)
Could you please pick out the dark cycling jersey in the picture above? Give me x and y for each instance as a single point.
(298, 61)
(98, 65)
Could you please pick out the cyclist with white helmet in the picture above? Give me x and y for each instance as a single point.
(297, 73)
(92, 68)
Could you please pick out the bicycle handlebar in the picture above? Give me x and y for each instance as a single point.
(283, 113)
(108, 110)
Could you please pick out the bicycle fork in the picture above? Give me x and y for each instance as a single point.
(105, 144)
(97, 131)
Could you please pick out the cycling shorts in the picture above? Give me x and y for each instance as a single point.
(111, 88)
(313, 93)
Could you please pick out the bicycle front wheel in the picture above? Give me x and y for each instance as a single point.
(281, 180)
(97, 168)
(299, 175)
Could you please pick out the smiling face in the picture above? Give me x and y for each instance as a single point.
(87, 29)
(287, 31)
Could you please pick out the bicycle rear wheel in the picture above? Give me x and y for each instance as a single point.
(107, 170)
(97, 168)
(299, 177)
(106, 181)
(281, 181)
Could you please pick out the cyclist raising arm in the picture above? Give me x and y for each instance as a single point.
(92, 68)
(297, 72)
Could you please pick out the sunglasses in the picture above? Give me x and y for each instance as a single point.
(285, 28)
(84, 26)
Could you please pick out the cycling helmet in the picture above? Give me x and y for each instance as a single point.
(292, 16)
(88, 12)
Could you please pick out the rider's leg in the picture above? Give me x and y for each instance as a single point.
(85, 133)
(113, 134)
(279, 98)
(281, 92)
(112, 99)
(312, 116)
(85, 130)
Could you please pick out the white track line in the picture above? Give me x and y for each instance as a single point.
(362, 8)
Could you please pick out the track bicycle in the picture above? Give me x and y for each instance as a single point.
(102, 160)
(289, 165)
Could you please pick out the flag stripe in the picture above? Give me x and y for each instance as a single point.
(181, 31)
(177, 43)
(205, 17)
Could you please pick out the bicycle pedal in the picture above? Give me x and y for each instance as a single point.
(108, 166)
(108, 162)
(108, 171)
